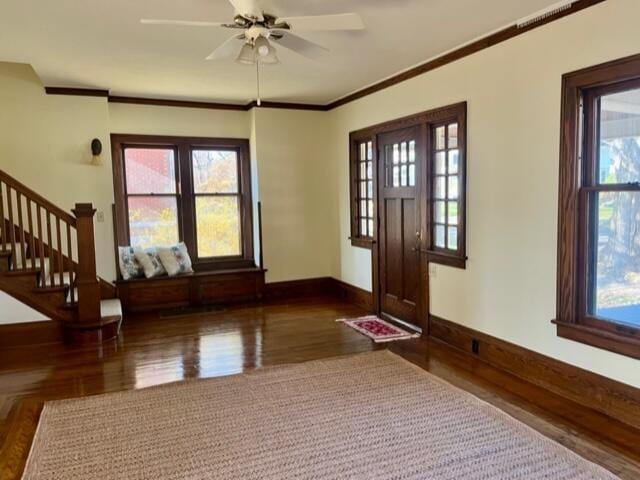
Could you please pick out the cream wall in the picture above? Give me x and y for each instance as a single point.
(297, 191)
(513, 95)
(45, 144)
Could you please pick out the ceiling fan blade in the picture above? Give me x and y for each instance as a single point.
(248, 8)
(341, 21)
(227, 49)
(300, 45)
(187, 23)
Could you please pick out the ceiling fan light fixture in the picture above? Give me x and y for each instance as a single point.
(247, 55)
(265, 51)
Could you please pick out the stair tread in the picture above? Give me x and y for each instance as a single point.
(52, 288)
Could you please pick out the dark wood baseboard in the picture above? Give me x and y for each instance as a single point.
(604, 395)
(356, 295)
(32, 333)
(308, 287)
(321, 286)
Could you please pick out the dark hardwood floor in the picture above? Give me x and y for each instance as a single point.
(154, 350)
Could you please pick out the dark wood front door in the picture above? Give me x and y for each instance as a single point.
(401, 285)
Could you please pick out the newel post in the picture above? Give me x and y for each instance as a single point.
(86, 277)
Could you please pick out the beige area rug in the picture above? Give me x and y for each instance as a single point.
(372, 415)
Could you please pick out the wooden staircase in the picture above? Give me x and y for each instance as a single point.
(48, 261)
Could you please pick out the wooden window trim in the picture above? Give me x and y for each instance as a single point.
(571, 320)
(456, 112)
(186, 198)
(355, 139)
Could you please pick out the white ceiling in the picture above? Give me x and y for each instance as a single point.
(101, 44)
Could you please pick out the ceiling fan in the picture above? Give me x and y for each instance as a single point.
(261, 30)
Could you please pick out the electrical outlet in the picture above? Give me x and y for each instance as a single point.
(475, 346)
(433, 270)
(100, 216)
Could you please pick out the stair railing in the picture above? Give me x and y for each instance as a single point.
(34, 230)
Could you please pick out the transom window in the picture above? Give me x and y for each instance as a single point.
(599, 229)
(196, 190)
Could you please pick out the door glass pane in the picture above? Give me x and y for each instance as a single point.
(370, 151)
(396, 153)
(370, 225)
(363, 227)
(363, 170)
(218, 226)
(439, 236)
(153, 221)
(412, 175)
(363, 151)
(403, 175)
(617, 265)
(396, 176)
(439, 212)
(214, 171)
(150, 170)
(619, 154)
(452, 242)
(363, 189)
(370, 170)
(412, 151)
(363, 208)
(403, 152)
(453, 135)
(370, 208)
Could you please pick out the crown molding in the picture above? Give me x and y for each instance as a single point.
(462, 52)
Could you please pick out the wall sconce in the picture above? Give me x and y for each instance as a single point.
(96, 150)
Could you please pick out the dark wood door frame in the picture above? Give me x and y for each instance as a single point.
(425, 120)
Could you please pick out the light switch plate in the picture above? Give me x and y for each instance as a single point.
(100, 216)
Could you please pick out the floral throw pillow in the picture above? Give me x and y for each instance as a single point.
(150, 262)
(175, 259)
(129, 266)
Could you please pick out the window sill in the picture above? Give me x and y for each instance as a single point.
(362, 242)
(611, 341)
(447, 259)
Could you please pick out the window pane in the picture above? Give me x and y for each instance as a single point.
(150, 170)
(452, 213)
(363, 151)
(439, 212)
(363, 208)
(363, 189)
(440, 187)
(618, 257)
(370, 224)
(153, 221)
(363, 227)
(403, 152)
(440, 136)
(363, 170)
(441, 158)
(439, 237)
(215, 171)
(403, 175)
(452, 243)
(396, 153)
(370, 151)
(454, 157)
(619, 153)
(370, 170)
(218, 226)
(412, 175)
(412, 151)
(453, 135)
(369, 189)
(453, 188)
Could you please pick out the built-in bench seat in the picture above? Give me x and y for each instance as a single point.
(191, 289)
